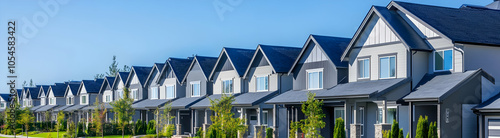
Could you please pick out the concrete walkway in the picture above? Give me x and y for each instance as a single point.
(17, 136)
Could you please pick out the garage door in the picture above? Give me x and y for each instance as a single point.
(493, 128)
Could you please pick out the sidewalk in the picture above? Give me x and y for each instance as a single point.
(17, 136)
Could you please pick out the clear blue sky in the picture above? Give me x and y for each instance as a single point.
(80, 38)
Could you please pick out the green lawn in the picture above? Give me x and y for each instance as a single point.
(112, 136)
(45, 134)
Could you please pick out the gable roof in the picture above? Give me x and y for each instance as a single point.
(331, 46)
(408, 36)
(141, 72)
(45, 89)
(74, 89)
(59, 90)
(239, 59)
(206, 65)
(460, 25)
(158, 67)
(179, 66)
(19, 93)
(5, 96)
(120, 76)
(438, 86)
(92, 86)
(106, 83)
(34, 92)
(280, 58)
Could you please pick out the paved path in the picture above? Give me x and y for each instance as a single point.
(17, 136)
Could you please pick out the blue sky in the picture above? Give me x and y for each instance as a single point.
(78, 40)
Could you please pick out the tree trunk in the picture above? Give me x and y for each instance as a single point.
(57, 132)
(123, 132)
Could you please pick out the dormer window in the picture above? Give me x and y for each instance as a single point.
(195, 88)
(170, 91)
(387, 67)
(2, 105)
(108, 98)
(52, 101)
(315, 79)
(135, 94)
(262, 83)
(443, 60)
(42, 102)
(364, 68)
(154, 92)
(69, 101)
(84, 99)
(227, 86)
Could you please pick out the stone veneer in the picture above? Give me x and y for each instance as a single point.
(380, 128)
(355, 131)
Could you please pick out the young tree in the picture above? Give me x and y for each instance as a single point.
(31, 83)
(123, 109)
(26, 119)
(395, 129)
(223, 123)
(312, 109)
(98, 116)
(339, 131)
(126, 68)
(47, 116)
(60, 120)
(12, 121)
(167, 117)
(99, 76)
(433, 130)
(422, 127)
(113, 68)
(294, 128)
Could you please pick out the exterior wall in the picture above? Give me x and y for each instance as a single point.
(443, 44)
(119, 87)
(108, 91)
(60, 101)
(196, 74)
(180, 90)
(485, 57)
(300, 74)
(152, 83)
(224, 75)
(262, 71)
(143, 92)
(420, 66)
(373, 53)
(376, 32)
(470, 93)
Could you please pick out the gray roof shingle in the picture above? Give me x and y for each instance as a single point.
(367, 89)
(141, 72)
(183, 103)
(149, 103)
(45, 108)
(333, 47)
(290, 97)
(92, 86)
(252, 98)
(61, 108)
(281, 57)
(205, 103)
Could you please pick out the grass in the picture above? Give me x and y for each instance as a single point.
(45, 134)
(112, 136)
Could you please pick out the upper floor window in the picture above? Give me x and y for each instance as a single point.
(195, 88)
(135, 94)
(227, 86)
(42, 102)
(170, 91)
(84, 99)
(154, 92)
(120, 93)
(108, 98)
(443, 60)
(364, 68)
(2, 105)
(315, 79)
(262, 83)
(52, 101)
(388, 67)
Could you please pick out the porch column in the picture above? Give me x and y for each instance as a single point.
(192, 121)
(410, 113)
(275, 127)
(206, 116)
(439, 120)
(195, 120)
(288, 122)
(178, 126)
(384, 113)
(259, 110)
(147, 115)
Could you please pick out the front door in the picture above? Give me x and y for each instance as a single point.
(252, 122)
(185, 120)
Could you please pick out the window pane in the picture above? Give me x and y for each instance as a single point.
(366, 68)
(320, 79)
(311, 80)
(392, 67)
(438, 60)
(384, 67)
(361, 69)
(261, 83)
(170, 92)
(195, 89)
(448, 59)
(391, 115)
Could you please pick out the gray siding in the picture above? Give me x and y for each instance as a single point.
(485, 57)
(329, 74)
(196, 74)
(419, 65)
(60, 100)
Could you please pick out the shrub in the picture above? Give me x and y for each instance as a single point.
(400, 133)
(199, 133)
(338, 130)
(79, 130)
(394, 129)
(433, 130)
(151, 127)
(422, 127)
(269, 133)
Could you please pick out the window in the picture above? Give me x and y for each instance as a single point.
(227, 86)
(362, 120)
(2, 105)
(338, 112)
(51, 101)
(443, 60)
(154, 92)
(391, 115)
(265, 117)
(135, 94)
(42, 102)
(364, 68)
(262, 83)
(69, 100)
(388, 67)
(170, 91)
(84, 99)
(108, 98)
(315, 79)
(195, 88)
(120, 94)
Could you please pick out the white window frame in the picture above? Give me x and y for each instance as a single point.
(395, 66)
(362, 113)
(265, 117)
(151, 92)
(135, 95)
(191, 84)
(3, 105)
(369, 68)
(434, 60)
(119, 93)
(166, 91)
(53, 101)
(322, 78)
(82, 98)
(232, 87)
(106, 98)
(257, 83)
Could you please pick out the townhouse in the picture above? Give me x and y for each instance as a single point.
(153, 99)
(317, 67)
(4, 101)
(71, 97)
(135, 83)
(197, 87)
(31, 98)
(106, 96)
(55, 96)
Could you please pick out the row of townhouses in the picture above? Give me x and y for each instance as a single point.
(405, 60)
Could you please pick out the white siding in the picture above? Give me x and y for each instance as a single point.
(167, 82)
(374, 53)
(316, 55)
(376, 32)
(225, 75)
(421, 29)
(135, 80)
(262, 71)
(107, 92)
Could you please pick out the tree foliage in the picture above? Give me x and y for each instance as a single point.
(123, 110)
(225, 125)
(60, 120)
(26, 118)
(422, 127)
(313, 122)
(98, 117)
(433, 130)
(339, 129)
